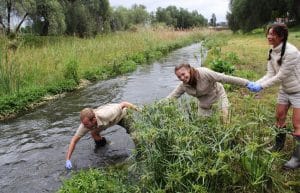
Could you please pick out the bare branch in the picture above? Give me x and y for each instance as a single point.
(1, 22)
(18, 27)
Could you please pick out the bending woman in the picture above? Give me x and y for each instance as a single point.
(204, 84)
(283, 68)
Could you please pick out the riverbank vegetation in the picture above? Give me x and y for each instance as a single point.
(177, 151)
(39, 66)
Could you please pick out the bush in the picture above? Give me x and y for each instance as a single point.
(71, 71)
(180, 152)
(93, 181)
(222, 66)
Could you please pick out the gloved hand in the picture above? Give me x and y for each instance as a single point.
(68, 164)
(250, 85)
(254, 87)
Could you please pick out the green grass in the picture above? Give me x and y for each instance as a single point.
(180, 152)
(177, 151)
(96, 181)
(30, 64)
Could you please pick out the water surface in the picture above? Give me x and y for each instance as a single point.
(33, 146)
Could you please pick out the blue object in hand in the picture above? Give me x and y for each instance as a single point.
(254, 87)
(68, 164)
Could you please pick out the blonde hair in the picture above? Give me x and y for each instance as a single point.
(86, 112)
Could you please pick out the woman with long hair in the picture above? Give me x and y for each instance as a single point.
(284, 69)
(205, 85)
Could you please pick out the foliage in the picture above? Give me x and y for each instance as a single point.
(19, 101)
(180, 152)
(79, 20)
(250, 14)
(71, 71)
(94, 181)
(179, 18)
(48, 18)
(42, 65)
(213, 20)
(123, 18)
(222, 66)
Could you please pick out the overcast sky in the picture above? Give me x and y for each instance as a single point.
(204, 7)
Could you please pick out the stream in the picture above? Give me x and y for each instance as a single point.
(33, 146)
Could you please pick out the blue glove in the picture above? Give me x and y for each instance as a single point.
(257, 87)
(249, 85)
(254, 87)
(68, 164)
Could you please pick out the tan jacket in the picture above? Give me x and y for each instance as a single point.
(208, 89)
(107, 116)
(288, 74)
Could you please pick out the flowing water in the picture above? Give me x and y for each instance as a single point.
(33, 146)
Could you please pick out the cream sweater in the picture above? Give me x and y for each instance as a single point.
(288, 74)
(208, 89)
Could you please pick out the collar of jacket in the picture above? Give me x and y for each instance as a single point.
(277, 49)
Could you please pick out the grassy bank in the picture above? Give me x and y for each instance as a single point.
(32, 67)
(179, 152)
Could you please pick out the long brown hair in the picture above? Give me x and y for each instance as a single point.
(193, 73)
(280, 30)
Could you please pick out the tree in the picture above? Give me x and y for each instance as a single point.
(48, 17)
(250, 14)
(120, 19)
(100, 10)
(180, 18)
(138, 14)
(213, 20)
(79, 21)
(13, 8)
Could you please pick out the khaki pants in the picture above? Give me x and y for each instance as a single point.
(223, 104)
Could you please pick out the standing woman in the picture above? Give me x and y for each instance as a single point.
(204, 84)
(283, 68)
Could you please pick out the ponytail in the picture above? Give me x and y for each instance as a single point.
(282, 53)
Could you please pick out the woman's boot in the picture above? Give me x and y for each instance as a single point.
(294, 162)
(279, 142)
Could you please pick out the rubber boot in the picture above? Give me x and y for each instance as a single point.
(100, 143)
(126, 125)
(294, 162)
(279, 142)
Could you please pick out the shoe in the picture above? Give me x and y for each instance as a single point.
(100, 143)
(279, 142)
(294, 162)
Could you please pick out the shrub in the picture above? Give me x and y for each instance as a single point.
(71, 71)
(223, 66)
(178, 151)
(93, 181)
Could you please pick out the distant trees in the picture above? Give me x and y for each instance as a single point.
(213, 20)
(179, 18)
(10, 9)
(250, 14)
(123, 18)
(86, 18)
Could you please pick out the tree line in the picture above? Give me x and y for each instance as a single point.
(88, 17)
(247, 15)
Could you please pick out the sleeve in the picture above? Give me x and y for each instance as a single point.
(287, 67)
(270, 73)
(220, 77)
(81, 131)
(177, 92)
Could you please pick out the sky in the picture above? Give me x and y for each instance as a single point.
(204, 7)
